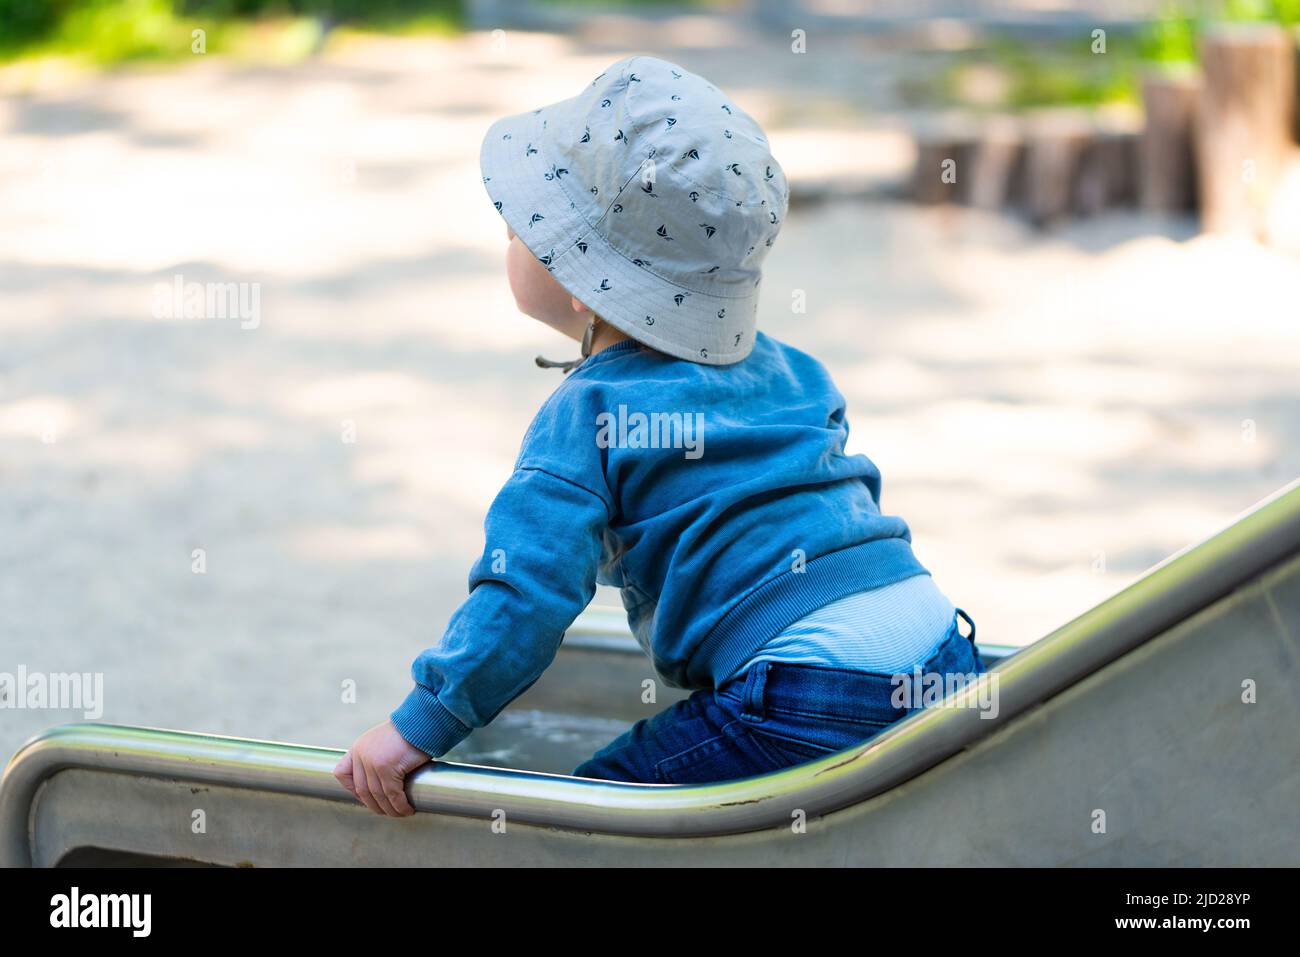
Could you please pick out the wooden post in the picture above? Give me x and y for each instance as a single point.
(943, 150)
(1054, 146)
(1107, 173)
(996, 167)
(1244, 122)
(1166, 152)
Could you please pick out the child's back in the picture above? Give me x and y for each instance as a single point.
(725, 499)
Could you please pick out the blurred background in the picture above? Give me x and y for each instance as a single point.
(1050, 252)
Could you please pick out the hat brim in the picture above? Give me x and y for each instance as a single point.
(592, 270)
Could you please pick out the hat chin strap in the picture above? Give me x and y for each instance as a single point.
(543, 363)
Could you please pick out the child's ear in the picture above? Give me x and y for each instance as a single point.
(578, 305)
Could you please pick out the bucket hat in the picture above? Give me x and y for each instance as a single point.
(651, 197)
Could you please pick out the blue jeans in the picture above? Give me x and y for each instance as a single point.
(773, 716)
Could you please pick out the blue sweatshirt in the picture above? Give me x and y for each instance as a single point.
(719, 499)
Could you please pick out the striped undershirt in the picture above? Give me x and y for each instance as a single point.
(884, 630)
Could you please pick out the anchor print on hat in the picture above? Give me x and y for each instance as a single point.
(653, 198)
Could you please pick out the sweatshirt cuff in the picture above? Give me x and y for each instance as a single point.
(426, 723)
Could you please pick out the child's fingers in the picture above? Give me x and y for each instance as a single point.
(378, 790)
(362, 785)
(343, 772)
(394, 787)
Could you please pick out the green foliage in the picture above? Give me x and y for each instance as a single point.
(1286, 12)
(334, 11)
(1045, 75)
(1020, 75)
(117, 31)
(24, 21)
(112, 31)
(1171, 38)
(1174, 37)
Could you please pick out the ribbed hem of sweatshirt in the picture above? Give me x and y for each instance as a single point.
(778, 603)
(426, 724)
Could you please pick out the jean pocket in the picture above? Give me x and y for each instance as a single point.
(796, 749)
(786, 751)
(724, 757)
(706, 757)
(809, 741)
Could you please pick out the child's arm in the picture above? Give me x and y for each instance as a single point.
(536, 574)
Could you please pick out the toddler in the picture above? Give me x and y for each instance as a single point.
(686, 458)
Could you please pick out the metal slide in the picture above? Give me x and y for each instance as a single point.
(1160, 728)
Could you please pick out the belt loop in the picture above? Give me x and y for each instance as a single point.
(755, 682)
(970, 622)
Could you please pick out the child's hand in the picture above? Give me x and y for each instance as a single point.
(375, 770)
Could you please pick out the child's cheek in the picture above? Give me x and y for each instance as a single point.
(536, 292)
(519, 274)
